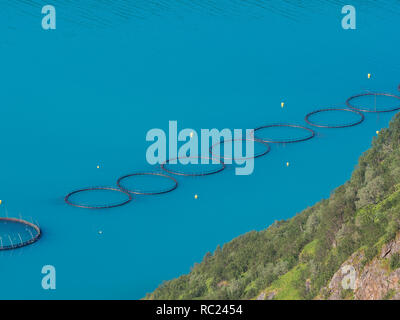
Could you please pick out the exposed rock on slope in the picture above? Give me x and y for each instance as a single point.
(375, 281)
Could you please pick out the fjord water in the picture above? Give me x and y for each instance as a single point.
(86, 94)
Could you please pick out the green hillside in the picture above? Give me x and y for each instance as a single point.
(296, 258)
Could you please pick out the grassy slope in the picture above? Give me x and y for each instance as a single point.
(310, 247)
(287, 288)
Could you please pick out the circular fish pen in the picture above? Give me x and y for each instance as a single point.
(127, 198)
(346, 125)
(17, 233)
(267, 149)
(350, 102)
(310, 133)
(220, 166)
(123, 187)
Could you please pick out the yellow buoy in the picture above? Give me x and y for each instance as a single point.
(282, 104)
(98, 167)
(1, 201)
(287, 164)
(377, 132)
(369, 76)
(195, 196)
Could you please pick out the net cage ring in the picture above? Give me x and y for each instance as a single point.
(267, 150)
(119, 183)
(25, 243)
(67, 198)
(375, 95)
(180, 173)
(284, 125)
(308, 115)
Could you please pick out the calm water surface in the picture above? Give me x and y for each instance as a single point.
(86, 94)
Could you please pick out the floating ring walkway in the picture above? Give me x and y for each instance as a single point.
(375, 95)
(311, 133)
(308, 115)
(22, 243)
(173, 187)
(267, 150)
(193, 174)
(107, 206)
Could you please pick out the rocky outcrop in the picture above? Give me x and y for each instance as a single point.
(261, 296)
(264, 296)
(373, 281)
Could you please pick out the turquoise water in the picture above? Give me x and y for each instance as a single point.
(86, 94)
